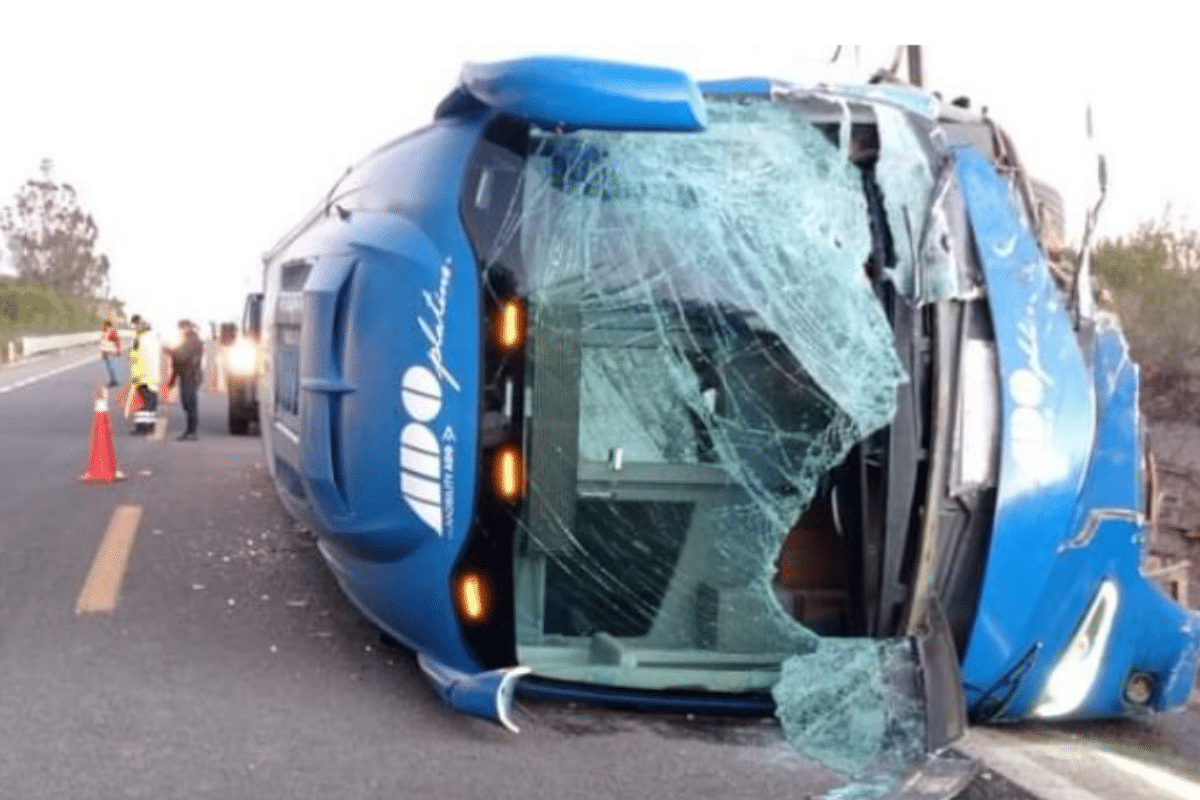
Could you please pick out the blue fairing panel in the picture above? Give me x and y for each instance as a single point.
(576, 93)
(1107, 543)
(737, 87)
(388, 389)
(1048, 419)
(1068, 510)
(488, 695)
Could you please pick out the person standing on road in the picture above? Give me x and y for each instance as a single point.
(186, 363)
(110, 350)
(144, 365)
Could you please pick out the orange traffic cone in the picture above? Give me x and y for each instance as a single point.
(129, 401)
(102, 452)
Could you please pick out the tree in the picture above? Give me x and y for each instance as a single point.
(1153, 277)
(51, 240)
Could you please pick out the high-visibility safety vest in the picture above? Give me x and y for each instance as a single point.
(109, 343)
(145, 360)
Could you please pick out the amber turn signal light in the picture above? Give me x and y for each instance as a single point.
(470, 597)
(507, 473)
(510, 324)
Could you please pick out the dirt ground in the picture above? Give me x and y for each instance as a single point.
(1171, 403)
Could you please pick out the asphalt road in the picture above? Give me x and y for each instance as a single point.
(232, 667)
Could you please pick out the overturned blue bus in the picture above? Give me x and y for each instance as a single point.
(742, 396)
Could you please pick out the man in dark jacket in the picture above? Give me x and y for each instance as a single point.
(186, 362)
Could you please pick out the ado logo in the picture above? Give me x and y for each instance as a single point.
(427, 458)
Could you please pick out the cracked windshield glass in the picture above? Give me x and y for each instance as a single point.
(704, 348)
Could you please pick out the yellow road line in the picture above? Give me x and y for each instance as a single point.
(103, 583)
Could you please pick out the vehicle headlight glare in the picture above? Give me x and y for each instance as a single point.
(1073, 676)
(243, 358)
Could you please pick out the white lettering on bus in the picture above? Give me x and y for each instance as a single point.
(427, 464)
(436, 333)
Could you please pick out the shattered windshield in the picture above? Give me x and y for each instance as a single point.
(703, 348)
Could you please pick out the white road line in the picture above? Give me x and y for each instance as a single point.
(50, 374)
(1072, 764)
(25, 360)
(1158, 778)
(1003, 752)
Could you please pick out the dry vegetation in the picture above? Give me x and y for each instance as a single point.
(29, 308)
(1152, 280)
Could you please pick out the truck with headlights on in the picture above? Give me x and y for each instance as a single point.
(240, 364)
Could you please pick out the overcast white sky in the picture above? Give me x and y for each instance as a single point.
(198, 134)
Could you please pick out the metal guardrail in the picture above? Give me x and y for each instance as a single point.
(27, 346)
(31, 345)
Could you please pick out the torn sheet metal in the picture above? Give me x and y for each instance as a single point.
(909, 98)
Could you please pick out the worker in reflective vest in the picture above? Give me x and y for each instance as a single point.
(144, 364)
(110, 350)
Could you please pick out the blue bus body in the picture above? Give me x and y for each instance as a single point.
(1005, 496)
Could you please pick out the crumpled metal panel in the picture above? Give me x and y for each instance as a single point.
(909, 98)
(1048, 417)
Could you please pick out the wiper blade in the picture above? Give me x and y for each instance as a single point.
(996, 700)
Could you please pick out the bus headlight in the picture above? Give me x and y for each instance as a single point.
(1075, 673)
(243, 357)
